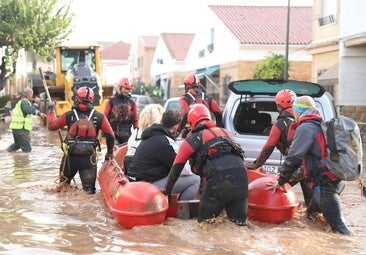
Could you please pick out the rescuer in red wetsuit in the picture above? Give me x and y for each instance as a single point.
(85, 164)
(282, 130)
(121, 112)
(215, 156)
(281, 136)
(194, 95)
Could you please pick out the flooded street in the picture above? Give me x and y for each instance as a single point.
(36, 219)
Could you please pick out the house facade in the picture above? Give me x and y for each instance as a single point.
(145, 49)
(115, 61)
(339, 53)
(169, 61)
(229, 44)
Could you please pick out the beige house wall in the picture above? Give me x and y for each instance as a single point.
(240, 70)
(323, 60)
(327, 32)
(145, 56)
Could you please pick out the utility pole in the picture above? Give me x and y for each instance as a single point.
(285, 71)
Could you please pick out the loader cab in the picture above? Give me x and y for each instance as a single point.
(71, 57)
(76, 66)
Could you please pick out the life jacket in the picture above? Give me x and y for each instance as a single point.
(286, 125)
(82, 135)
(18, 120)
(199, 98)
(121, 110)
(214, 147)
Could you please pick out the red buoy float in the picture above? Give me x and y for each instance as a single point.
(267, 207)
(254, 174)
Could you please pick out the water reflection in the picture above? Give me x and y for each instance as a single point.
(37, 218)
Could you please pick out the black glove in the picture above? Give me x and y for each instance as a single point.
(284, 175)
(51, 106)
(251, 165)
(108, 156)
(164, 191)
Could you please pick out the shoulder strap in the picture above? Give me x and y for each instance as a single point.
(76, 114)
(91, 114)
(190, 95)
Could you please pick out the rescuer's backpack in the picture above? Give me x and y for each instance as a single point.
(82, 136)
(344, 147)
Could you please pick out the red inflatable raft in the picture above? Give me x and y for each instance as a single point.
(131, 203)
(141, 203)
(138, 203)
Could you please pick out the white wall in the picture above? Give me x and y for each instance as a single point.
(352, 77)
(112, 74)
(228, 49)
(353, 17)
(169, 64)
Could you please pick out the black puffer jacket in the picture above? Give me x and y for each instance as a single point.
(154, 156)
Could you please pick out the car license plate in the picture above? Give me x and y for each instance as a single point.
(270, 169)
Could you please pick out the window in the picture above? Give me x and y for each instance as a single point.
(255, 118)
(329, 14)
(210, 46)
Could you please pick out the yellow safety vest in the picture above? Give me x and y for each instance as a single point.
(18, 121)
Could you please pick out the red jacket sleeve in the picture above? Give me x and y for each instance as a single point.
(273, 138)
(135, 122)
(54, 123)
(109, 134)
(107, 108)
(215, 108)
(184, 107)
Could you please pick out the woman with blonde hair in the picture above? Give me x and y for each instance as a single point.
(152, 113)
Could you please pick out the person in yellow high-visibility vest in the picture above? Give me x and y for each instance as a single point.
(21, 121)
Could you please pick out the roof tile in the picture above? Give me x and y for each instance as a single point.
(178, 44)
(116, 51)
(266, 24)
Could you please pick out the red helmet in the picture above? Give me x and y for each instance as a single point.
(285, 97)
(124, 82)
(85, 95)
(196, 113)
(191, 81)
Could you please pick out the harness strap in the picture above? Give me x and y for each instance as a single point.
(194, 98)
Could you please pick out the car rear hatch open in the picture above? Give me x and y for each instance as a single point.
(272, 86)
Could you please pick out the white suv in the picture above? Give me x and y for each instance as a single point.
(251, 110)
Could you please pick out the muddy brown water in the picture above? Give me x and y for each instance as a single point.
(36, 219)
